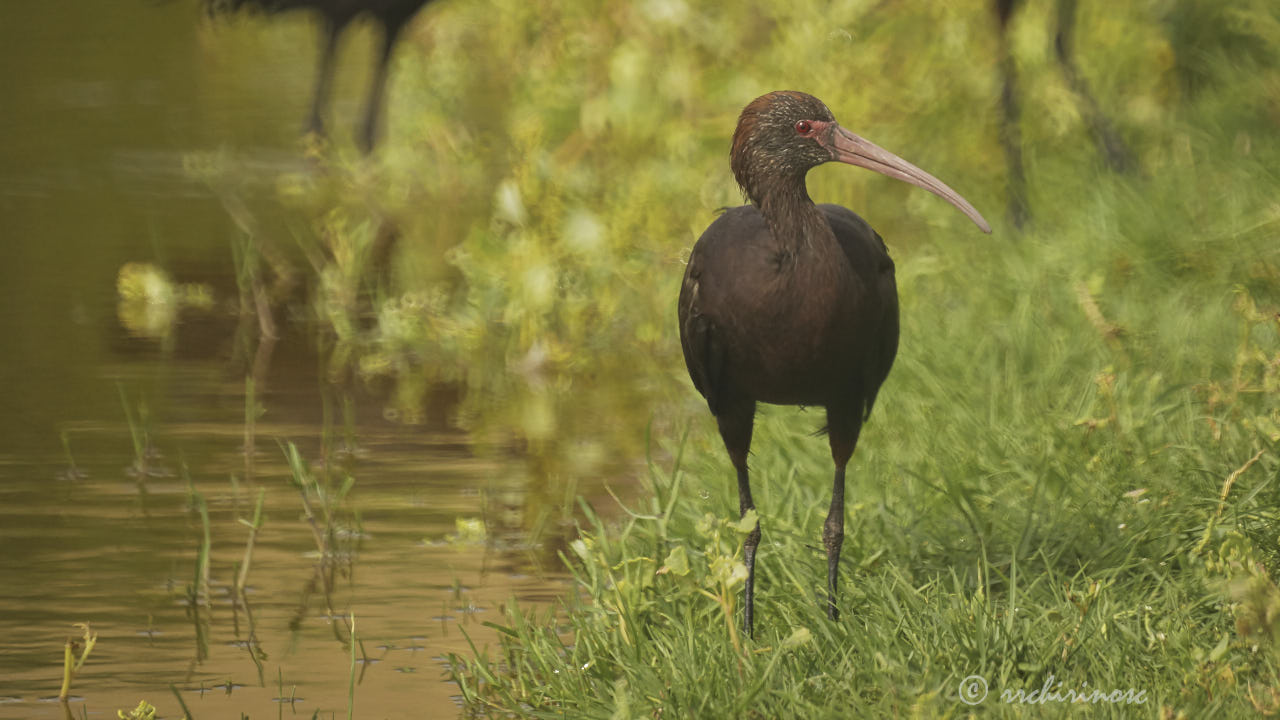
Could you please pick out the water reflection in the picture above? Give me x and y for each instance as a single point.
(117, 543)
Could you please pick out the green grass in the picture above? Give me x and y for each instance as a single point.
(1029, 501)
(1071, 472)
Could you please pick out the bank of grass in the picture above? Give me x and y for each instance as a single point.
(1038, 499)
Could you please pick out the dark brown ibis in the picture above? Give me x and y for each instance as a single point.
(335, 16)
(792, 303)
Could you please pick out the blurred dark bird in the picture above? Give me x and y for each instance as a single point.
(792, 303)
(335, 16)
(1115, 152)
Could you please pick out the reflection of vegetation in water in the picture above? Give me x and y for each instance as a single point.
(197, 601)
(144, 711)
(146, 456)
(149, 300)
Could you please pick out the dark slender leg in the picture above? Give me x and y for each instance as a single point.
(1010, 113)
(1114, 150)
(735, 429)
(843, 434)
(369, 130)
(324, 76)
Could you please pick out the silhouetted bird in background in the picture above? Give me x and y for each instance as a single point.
(335, 16)
(792, 303)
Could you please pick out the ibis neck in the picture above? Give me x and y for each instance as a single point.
(794, 221)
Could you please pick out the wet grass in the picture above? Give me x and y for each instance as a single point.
(74, 654)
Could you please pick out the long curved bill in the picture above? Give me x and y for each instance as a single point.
(847, 147)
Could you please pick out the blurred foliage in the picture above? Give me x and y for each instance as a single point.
(149, 300)
(521, 231)
(470, 531)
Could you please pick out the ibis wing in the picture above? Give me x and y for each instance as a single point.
(702, 354)
(869, 258)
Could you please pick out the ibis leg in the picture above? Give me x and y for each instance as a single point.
(844, 437)
(833, 540)
(735, 429)
(1010, 132)
(324, 75)
(1114, 149)
(369, 129)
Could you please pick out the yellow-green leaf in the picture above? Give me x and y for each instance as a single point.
(677, 562)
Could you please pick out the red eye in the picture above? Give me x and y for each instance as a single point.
(804, 127)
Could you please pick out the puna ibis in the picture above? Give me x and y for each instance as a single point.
(335, 16)
(791, 303)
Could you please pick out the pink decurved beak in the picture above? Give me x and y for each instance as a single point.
(846, 147)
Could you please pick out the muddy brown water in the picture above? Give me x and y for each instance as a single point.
(101, 101)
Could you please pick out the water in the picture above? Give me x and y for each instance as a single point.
(102, 102)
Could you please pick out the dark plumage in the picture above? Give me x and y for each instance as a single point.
(335, 16)
(792, 303)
